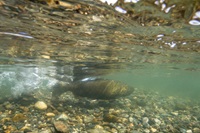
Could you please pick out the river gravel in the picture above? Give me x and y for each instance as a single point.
(140, 112)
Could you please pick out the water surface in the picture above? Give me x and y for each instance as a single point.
(42, 45)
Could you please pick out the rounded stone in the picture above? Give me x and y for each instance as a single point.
(153, 130)
(49, 114)
(145, 120)
(196, 130)
(41, 105)
(157, 121)
(189, 131)
(61, 127)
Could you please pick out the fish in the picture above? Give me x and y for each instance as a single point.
(94, 89)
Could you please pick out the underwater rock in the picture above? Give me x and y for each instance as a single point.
(61, 127)
(41, 105)
(19, 117)
(110, 118)
(97, 89)
(50, 114)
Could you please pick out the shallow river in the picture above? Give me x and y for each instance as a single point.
(152, 46)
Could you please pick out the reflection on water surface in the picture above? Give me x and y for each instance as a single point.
(98, 40)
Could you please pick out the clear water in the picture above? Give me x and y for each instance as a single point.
(41, 48)
(163, 79)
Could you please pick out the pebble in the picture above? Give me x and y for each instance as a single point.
(61, 127)
(153, 130)
(145, 120)
(97, 129)
(157, 121)
(50, 114)
(146, 130)
(196, 130)
(189, 131)
(46, 131)
(19, 117)
(8, 106)
(174, 113)
(62, 117)
(41, 105)
(26, 127)
(88, 119)
(130, 119)
(182, 130)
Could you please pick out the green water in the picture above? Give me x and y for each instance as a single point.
(167, 81)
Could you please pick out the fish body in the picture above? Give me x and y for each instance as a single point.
(95, 89)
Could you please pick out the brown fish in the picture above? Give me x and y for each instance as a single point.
(96, 89)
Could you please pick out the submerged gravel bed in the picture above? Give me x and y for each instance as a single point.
(140, 112)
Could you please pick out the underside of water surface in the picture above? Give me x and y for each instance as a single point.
(152, 45)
